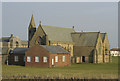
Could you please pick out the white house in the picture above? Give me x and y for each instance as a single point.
(115, 52)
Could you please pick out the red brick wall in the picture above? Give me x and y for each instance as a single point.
(60, 60)
(20, 59)
(41, 52)
(37, 51)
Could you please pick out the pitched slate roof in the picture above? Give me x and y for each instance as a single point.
(115, 49)
(4, 39)
(83, 50)
(102, 36)
(85, 38)
(58, 33)
(55, 49)
(19, 50)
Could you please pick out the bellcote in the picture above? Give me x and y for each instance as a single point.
(32, 23)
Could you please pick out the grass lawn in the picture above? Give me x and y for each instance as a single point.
(89, 71)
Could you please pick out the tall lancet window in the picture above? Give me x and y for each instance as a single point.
(100, 47)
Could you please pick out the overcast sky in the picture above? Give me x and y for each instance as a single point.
(86, 16)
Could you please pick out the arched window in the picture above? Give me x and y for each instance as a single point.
(100, 48)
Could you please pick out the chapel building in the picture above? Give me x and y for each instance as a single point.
(89, 47)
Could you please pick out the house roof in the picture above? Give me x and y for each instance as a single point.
(19, 50)
(55, 49)
(58, 33)
(4, 39)
(51, 49)
(115, 49)
(85, 38)
(102, 36)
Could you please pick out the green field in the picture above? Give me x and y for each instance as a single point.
(89, 71)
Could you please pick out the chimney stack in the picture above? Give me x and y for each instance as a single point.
(73, 27)
(11, 35)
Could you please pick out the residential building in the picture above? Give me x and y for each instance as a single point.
(9, 43)
(40, 56)
(17, 56)
(115, 52)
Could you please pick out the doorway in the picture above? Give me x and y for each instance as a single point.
(83, 58)
(52, 62)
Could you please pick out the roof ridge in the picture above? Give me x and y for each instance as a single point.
(57, 27)
(83, 32)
